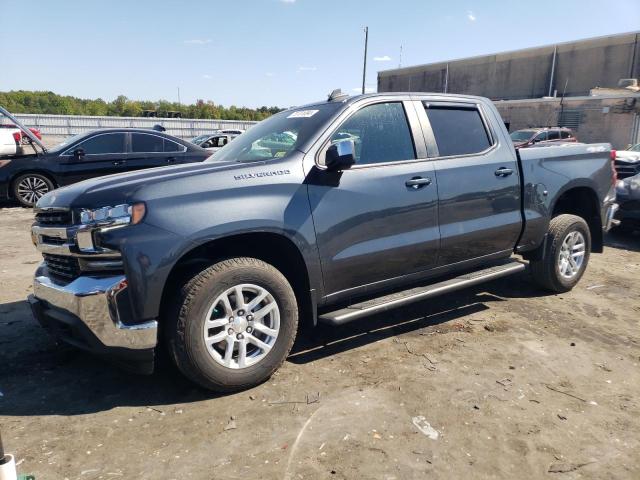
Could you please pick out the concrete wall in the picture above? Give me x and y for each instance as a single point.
(521, 74)
(615, 120)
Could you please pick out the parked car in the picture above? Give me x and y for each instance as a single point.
(217, 141)
(628, 161)
(542, 137)
(207, 136)
(380, 200)
(27, 177)
(9, 142)
(628, 197)
(24, 139)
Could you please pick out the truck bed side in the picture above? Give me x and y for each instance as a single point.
(564, 179)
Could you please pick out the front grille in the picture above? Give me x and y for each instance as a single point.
(53, 240)
(62, 266)
(54, 217)
(626, 169)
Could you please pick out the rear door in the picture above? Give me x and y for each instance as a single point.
(376, 221)
(104, 154)
(149, 150)
(478, 182)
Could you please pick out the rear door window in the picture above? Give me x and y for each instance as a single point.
(143, 143)
(170, 146)
(554, 135)
(380, 133)
(565, 134)
(458, 130)
(103, 144)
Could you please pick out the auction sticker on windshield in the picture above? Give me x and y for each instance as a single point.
(303, 114)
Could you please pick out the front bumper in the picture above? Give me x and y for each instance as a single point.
(90, 313)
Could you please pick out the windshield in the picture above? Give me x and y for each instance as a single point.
(522, 135)
(635, 148)
(66, 142)
(277, 136)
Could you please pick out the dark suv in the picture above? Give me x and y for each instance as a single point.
(541, 137)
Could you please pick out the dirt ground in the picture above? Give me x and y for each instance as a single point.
(511, 382)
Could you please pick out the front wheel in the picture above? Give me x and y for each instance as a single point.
(234, 324)
(565, 255)
(30, 187)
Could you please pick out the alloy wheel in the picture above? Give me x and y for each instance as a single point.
(242, 326)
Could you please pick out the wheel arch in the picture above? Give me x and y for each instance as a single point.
(582, 200)
(273, 248)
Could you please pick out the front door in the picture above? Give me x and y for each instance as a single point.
(377, 220)
(478, 182)
(103, 154)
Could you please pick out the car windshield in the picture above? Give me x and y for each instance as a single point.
(635, 148)
(277, 136)
(67, 141)
(522, 135)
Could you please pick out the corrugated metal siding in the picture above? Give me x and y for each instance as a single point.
(72, 124)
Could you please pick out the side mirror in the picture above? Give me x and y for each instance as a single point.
(340, 156)
(78, 153)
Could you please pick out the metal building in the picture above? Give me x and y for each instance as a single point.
(574, 84)
(571, 68)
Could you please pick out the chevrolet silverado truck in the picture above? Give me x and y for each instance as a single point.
(328, 213)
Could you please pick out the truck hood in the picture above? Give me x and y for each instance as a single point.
(124, 187)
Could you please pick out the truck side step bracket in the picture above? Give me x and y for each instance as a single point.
(387, 302)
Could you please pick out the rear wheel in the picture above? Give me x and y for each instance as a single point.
(565, 255)
(233, 325)
(30, 187)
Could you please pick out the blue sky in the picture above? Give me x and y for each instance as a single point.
(268, 52)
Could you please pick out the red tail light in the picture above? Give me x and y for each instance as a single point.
(614, 173)
(17, 136)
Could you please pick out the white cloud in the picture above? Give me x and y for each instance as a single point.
(307, 69)
(366, 90)
(287, 1)
(471, 16)
(270, 74)
(198, 41)
(206, 76)
(384, 58)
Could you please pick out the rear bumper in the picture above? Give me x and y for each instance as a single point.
(88, 313)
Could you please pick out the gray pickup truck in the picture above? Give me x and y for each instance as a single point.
(324, 213)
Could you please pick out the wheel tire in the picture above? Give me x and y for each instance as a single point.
(186, 324)
(546, 271)
(30, 187)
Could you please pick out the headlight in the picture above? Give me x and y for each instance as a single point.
(622, 187)
(118, 215)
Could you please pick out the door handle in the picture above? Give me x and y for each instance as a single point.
(503, 172)
(418, 182)
(119, 162)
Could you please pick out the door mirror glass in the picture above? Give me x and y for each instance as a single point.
(340, 155)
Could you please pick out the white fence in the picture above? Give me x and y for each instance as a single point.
(64, 125)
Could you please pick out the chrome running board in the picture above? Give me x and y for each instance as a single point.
(387, 302)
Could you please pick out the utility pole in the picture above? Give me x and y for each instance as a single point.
(364, 68)
(178, 95)
(400, 61)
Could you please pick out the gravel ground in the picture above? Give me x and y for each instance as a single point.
(498, 381)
